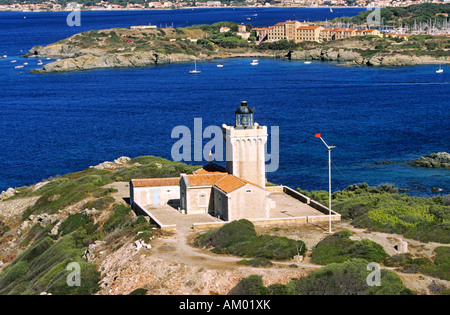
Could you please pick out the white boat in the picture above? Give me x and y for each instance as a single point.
(254, 62)
(195, 71)
(220, 65)
(18, 67)
(25, 63)
(40, 63)
(307, 62)
(331, 10)
(13, 61)
(440, 70)
(4, 56)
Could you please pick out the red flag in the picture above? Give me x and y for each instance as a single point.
(318, 135)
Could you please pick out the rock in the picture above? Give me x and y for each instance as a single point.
(141, 244)
(122, 160)
(55, 229)
(94, 250)
(112, 165)
(439, 159)
(8, 193)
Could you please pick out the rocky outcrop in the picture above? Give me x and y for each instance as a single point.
(8, 193)
(340, 55)
(353, 57)
(112, 165)
(439, 159)
(122, 60)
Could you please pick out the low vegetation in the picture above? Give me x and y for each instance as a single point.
(338, 248)
(384, 209)
(346, 278)
(239, 238)
(45, 255)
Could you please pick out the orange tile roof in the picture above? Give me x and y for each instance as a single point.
(210, 168)
(154, 182)
(205, 179)
(308, 27)
(203, 171)
(229, 183)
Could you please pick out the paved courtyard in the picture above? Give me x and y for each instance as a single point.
(286, 207)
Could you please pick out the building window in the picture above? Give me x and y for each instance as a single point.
(248, 190)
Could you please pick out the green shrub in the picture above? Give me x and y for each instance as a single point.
(239, 238)
(257, 262)
(347, 278)
(118, 218)
(45, 264)
(139, 291)
(441, 267)
(252, 285)
(383, 209)
(73, 222)
(227, 235)
(338, 248)
(99, 204)
(399, 260)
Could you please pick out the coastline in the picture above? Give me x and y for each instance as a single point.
(186, 8)
(99, 49)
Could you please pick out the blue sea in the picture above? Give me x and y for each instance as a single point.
(59, 123)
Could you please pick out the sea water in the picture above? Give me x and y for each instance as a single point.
(58, 123)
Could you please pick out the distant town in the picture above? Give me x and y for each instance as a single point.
(54, 5)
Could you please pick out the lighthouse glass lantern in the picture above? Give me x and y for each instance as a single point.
(244, 116)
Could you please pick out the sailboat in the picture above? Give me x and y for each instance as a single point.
(254, 62)
(195, 71)
(331, 10)
(440, 70)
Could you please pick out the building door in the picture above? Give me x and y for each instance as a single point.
(156, 197)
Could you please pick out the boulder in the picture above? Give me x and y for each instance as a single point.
(439, 159)
(141, 244)
(8, 193)
(122, 160)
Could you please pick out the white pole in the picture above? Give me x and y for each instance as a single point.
(329, 187)
(329, 178)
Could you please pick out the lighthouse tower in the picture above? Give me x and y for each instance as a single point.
(245, 147)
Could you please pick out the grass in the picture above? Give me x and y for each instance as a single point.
(239, 238)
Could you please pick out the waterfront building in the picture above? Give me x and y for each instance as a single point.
(308, 33)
